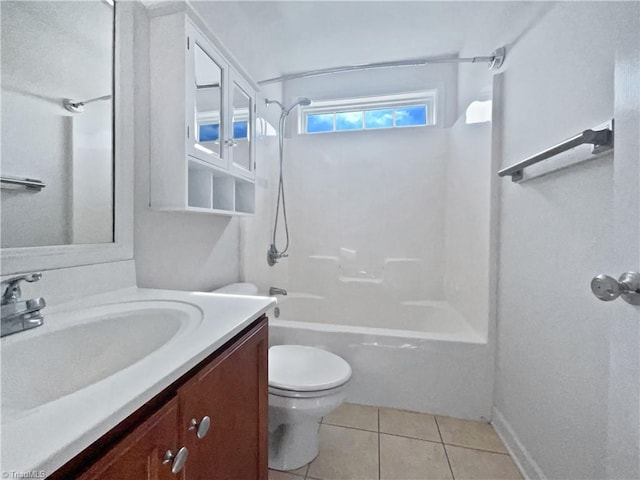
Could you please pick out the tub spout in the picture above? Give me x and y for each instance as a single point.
(277, 291)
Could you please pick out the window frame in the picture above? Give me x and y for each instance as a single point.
(364, 104)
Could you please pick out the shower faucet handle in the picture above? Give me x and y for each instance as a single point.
(273, 255)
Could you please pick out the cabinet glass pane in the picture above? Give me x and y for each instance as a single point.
(241, 128)
(208, 100)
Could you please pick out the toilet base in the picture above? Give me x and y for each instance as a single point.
(293, 445)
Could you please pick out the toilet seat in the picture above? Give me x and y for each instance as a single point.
(280, 392)
(296, 370)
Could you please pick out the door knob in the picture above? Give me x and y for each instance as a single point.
(607, 288)
(176, 460)
(202, 426)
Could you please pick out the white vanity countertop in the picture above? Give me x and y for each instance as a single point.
(46, 437)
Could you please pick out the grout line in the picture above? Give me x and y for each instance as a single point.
(352, 428)
(446, 454)
(392, 434)
(476, 449)
(379, 465)
(411, 438)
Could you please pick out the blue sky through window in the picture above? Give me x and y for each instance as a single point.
(409, 116)
(320, 123)
(378, 118)
(349, 120)
(370, 113)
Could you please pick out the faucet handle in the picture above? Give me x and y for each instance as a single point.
(11, 287)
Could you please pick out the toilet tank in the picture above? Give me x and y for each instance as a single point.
(241, 288)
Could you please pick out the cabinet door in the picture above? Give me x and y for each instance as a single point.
(233, 393)
(139, 456)
(206, 97)
(241, 139)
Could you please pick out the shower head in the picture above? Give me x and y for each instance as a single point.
(303, 102)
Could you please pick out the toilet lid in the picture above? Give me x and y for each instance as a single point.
(295, 367)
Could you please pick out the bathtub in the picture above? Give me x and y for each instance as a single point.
(415, 355)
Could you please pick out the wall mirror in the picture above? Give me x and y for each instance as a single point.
(208, 76)
(242, 121)
(67, 133)
(57, 123)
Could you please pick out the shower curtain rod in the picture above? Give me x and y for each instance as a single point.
(495, 61)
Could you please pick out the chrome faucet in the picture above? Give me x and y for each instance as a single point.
(17, 315)
(277, 291)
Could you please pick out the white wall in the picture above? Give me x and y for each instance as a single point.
(467, 222)
(555, 232)
(369, 206)
(181, 251)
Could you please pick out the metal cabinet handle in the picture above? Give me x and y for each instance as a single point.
(230, 142)
(176, 460)
(202, 426)
(607, 288)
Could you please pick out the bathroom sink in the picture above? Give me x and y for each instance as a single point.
(83, 347)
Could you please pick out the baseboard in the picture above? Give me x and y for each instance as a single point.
(528, 467)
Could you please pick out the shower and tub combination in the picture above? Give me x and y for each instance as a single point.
(383, 266)
(415, 355)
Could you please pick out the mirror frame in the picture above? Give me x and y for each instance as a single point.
(26, 259)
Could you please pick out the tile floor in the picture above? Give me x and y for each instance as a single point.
(359, 442)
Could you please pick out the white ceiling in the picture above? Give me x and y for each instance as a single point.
(273, 38)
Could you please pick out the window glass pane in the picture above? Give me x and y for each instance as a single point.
(414, 115)
(378, 118)
(209, 133)
(349, 120)
(240, 129)
(320, 123)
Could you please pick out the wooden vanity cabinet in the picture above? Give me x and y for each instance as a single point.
(139, 455)
(230, 387)
(233, 392)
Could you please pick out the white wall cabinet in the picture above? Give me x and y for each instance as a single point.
(202, 124)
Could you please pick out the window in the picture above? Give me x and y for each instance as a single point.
(391, 111)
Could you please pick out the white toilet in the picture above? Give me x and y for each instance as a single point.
(305, 384)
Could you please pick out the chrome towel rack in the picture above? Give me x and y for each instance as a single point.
(28, 183)
(602, 141)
